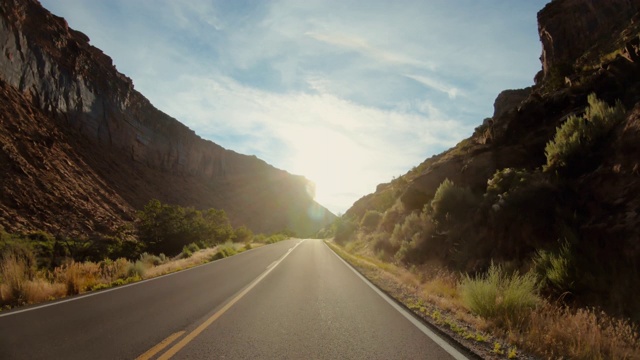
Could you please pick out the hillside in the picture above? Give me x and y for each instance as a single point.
(550, 182)
(82, 150)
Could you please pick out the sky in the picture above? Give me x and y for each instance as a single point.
(348, 93)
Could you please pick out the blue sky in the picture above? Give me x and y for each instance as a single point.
(346, 93)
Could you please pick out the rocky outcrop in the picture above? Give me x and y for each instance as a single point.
(75, 86)
(570, 29)
(509, 99)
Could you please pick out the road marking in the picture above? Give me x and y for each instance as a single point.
(192, 335)
(417, 323)
(272, 264)
(163, 344)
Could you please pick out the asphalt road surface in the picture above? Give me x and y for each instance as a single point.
(291, 300)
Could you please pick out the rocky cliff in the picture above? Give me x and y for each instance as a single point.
(82, 149)
(514, 207)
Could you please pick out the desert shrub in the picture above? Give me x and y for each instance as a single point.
(186, 252)
(416, 239)
(193, 247)
(382, 244)
(521, 210)
(555, 268)
(557, 74)
(575, 139)
(14, 274)
(370, 220)
(116, 269)
(389, 220)
(224, 251)
(152, 260)
(507, 180)
(344, 230)
(242, 234)
(499, 296)
(274, 238)
(136, 270)
(451, 203)
(77, 276)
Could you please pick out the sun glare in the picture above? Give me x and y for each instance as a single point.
(329, 159)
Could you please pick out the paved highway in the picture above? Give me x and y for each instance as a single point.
(291, 300)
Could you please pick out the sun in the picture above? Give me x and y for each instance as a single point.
(328, 158)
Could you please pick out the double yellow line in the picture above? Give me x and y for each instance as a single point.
(192, 335)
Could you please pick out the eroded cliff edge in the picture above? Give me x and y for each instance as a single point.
(82, 149)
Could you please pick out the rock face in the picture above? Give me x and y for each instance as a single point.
(569, 29)
(67, 104)
(595, 208)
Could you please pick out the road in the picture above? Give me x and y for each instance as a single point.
(291, 300)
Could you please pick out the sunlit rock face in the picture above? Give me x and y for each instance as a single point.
(133, 151)
(569, 29)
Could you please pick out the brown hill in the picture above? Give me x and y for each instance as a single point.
(82, 150)
(585, 213)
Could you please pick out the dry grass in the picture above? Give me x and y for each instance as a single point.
(549, 331)
(554, 331)
(19, 285)
(40, 290)
(197, 258)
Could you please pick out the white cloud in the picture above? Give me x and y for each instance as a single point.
(451, 91)
(342, 146)
(348, 94)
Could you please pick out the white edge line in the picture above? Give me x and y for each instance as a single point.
(433, 336)
(94, 293)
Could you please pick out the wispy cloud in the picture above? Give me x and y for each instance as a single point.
(451, 91)
(348, 94)
(360, 45)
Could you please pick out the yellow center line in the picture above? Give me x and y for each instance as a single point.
(192, 335)
(156, 349)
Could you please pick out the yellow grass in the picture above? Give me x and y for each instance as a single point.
(199, 257)
(18, 286)
(549, 331)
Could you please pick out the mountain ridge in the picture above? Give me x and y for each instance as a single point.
(76, 88)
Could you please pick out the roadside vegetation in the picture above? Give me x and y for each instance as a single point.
(511, 268)
(38, 266)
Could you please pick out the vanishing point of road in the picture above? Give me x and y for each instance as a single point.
(291, 300)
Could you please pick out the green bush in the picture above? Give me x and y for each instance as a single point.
(224, 251)
(370, 220)
(507, 180)
(498, 296)
(557, 74)
(575, 139)
(382, 244)
(274, 238)
(152, 260)
(451, 203)
(389, 220)
(344, 230)
(137, 269)
(555, 268)
(416, 239)
(167, 228)
(242, 234)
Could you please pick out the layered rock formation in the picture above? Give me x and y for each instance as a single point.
(77, 137)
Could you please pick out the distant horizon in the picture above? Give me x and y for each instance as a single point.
(347, 96)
